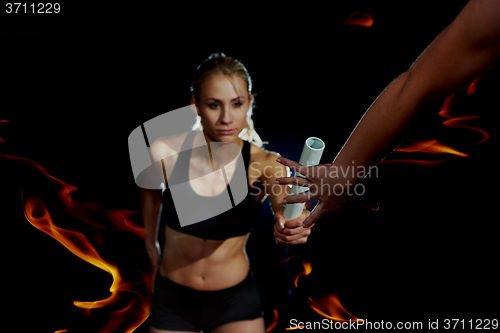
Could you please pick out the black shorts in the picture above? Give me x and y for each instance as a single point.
(179, 308)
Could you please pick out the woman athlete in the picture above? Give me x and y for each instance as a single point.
(203, 281)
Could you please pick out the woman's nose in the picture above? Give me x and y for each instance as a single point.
(226, 115)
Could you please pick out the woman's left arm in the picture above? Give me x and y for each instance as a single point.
(285, 232)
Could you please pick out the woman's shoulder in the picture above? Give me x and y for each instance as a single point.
(261, 153)
(166, 146)
(264, 157)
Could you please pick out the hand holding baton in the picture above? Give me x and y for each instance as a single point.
(311, 155)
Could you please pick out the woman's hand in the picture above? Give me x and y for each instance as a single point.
(327, 185)
(153, 251)
(293, 231)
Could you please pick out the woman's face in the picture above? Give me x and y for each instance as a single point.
(223, 105)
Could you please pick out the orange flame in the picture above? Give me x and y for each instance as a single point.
(415, 161)
(456, 122)
(430, 147)
(38, 215)
(330, 307)
(435, 147)
(446, 107)
(306, 271)
(36, 212)
(362, 19)
(276, 316)
(473, 86)
(299, 327)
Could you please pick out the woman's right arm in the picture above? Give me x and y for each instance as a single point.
(150, 204)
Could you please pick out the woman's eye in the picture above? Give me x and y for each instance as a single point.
(237, 104)
(213, 105)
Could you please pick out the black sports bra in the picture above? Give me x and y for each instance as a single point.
(236, 221)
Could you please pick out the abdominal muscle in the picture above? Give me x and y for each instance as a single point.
(204, 264)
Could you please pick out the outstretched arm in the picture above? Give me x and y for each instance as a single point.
(463, 51)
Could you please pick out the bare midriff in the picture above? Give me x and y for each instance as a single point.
(204, 264)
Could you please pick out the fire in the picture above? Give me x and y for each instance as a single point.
(307, 270)
(434, 146)
(362, 19)
(415, 161)
(37, 213)
(276, 316)
(430, 147)
(299, 327)
(457, 122)
(330, 307)
(472, 87)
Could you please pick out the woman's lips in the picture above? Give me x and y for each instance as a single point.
(226, 132)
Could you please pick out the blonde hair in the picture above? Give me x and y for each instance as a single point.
(219, 63)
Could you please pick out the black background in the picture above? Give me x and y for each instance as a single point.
(75, 85)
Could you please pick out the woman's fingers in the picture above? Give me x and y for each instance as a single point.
(293, 233)
(283, 243)
(290, 231)
(292, 181)
(279, 220)
(298, 198)
(290, 236)
(279, 224)
(296, 223)
(316, 213)
(293, 165)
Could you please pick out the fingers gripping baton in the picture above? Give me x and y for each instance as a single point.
(311, 155)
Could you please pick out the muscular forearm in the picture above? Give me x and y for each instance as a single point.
(381, 127)
(386, 122)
